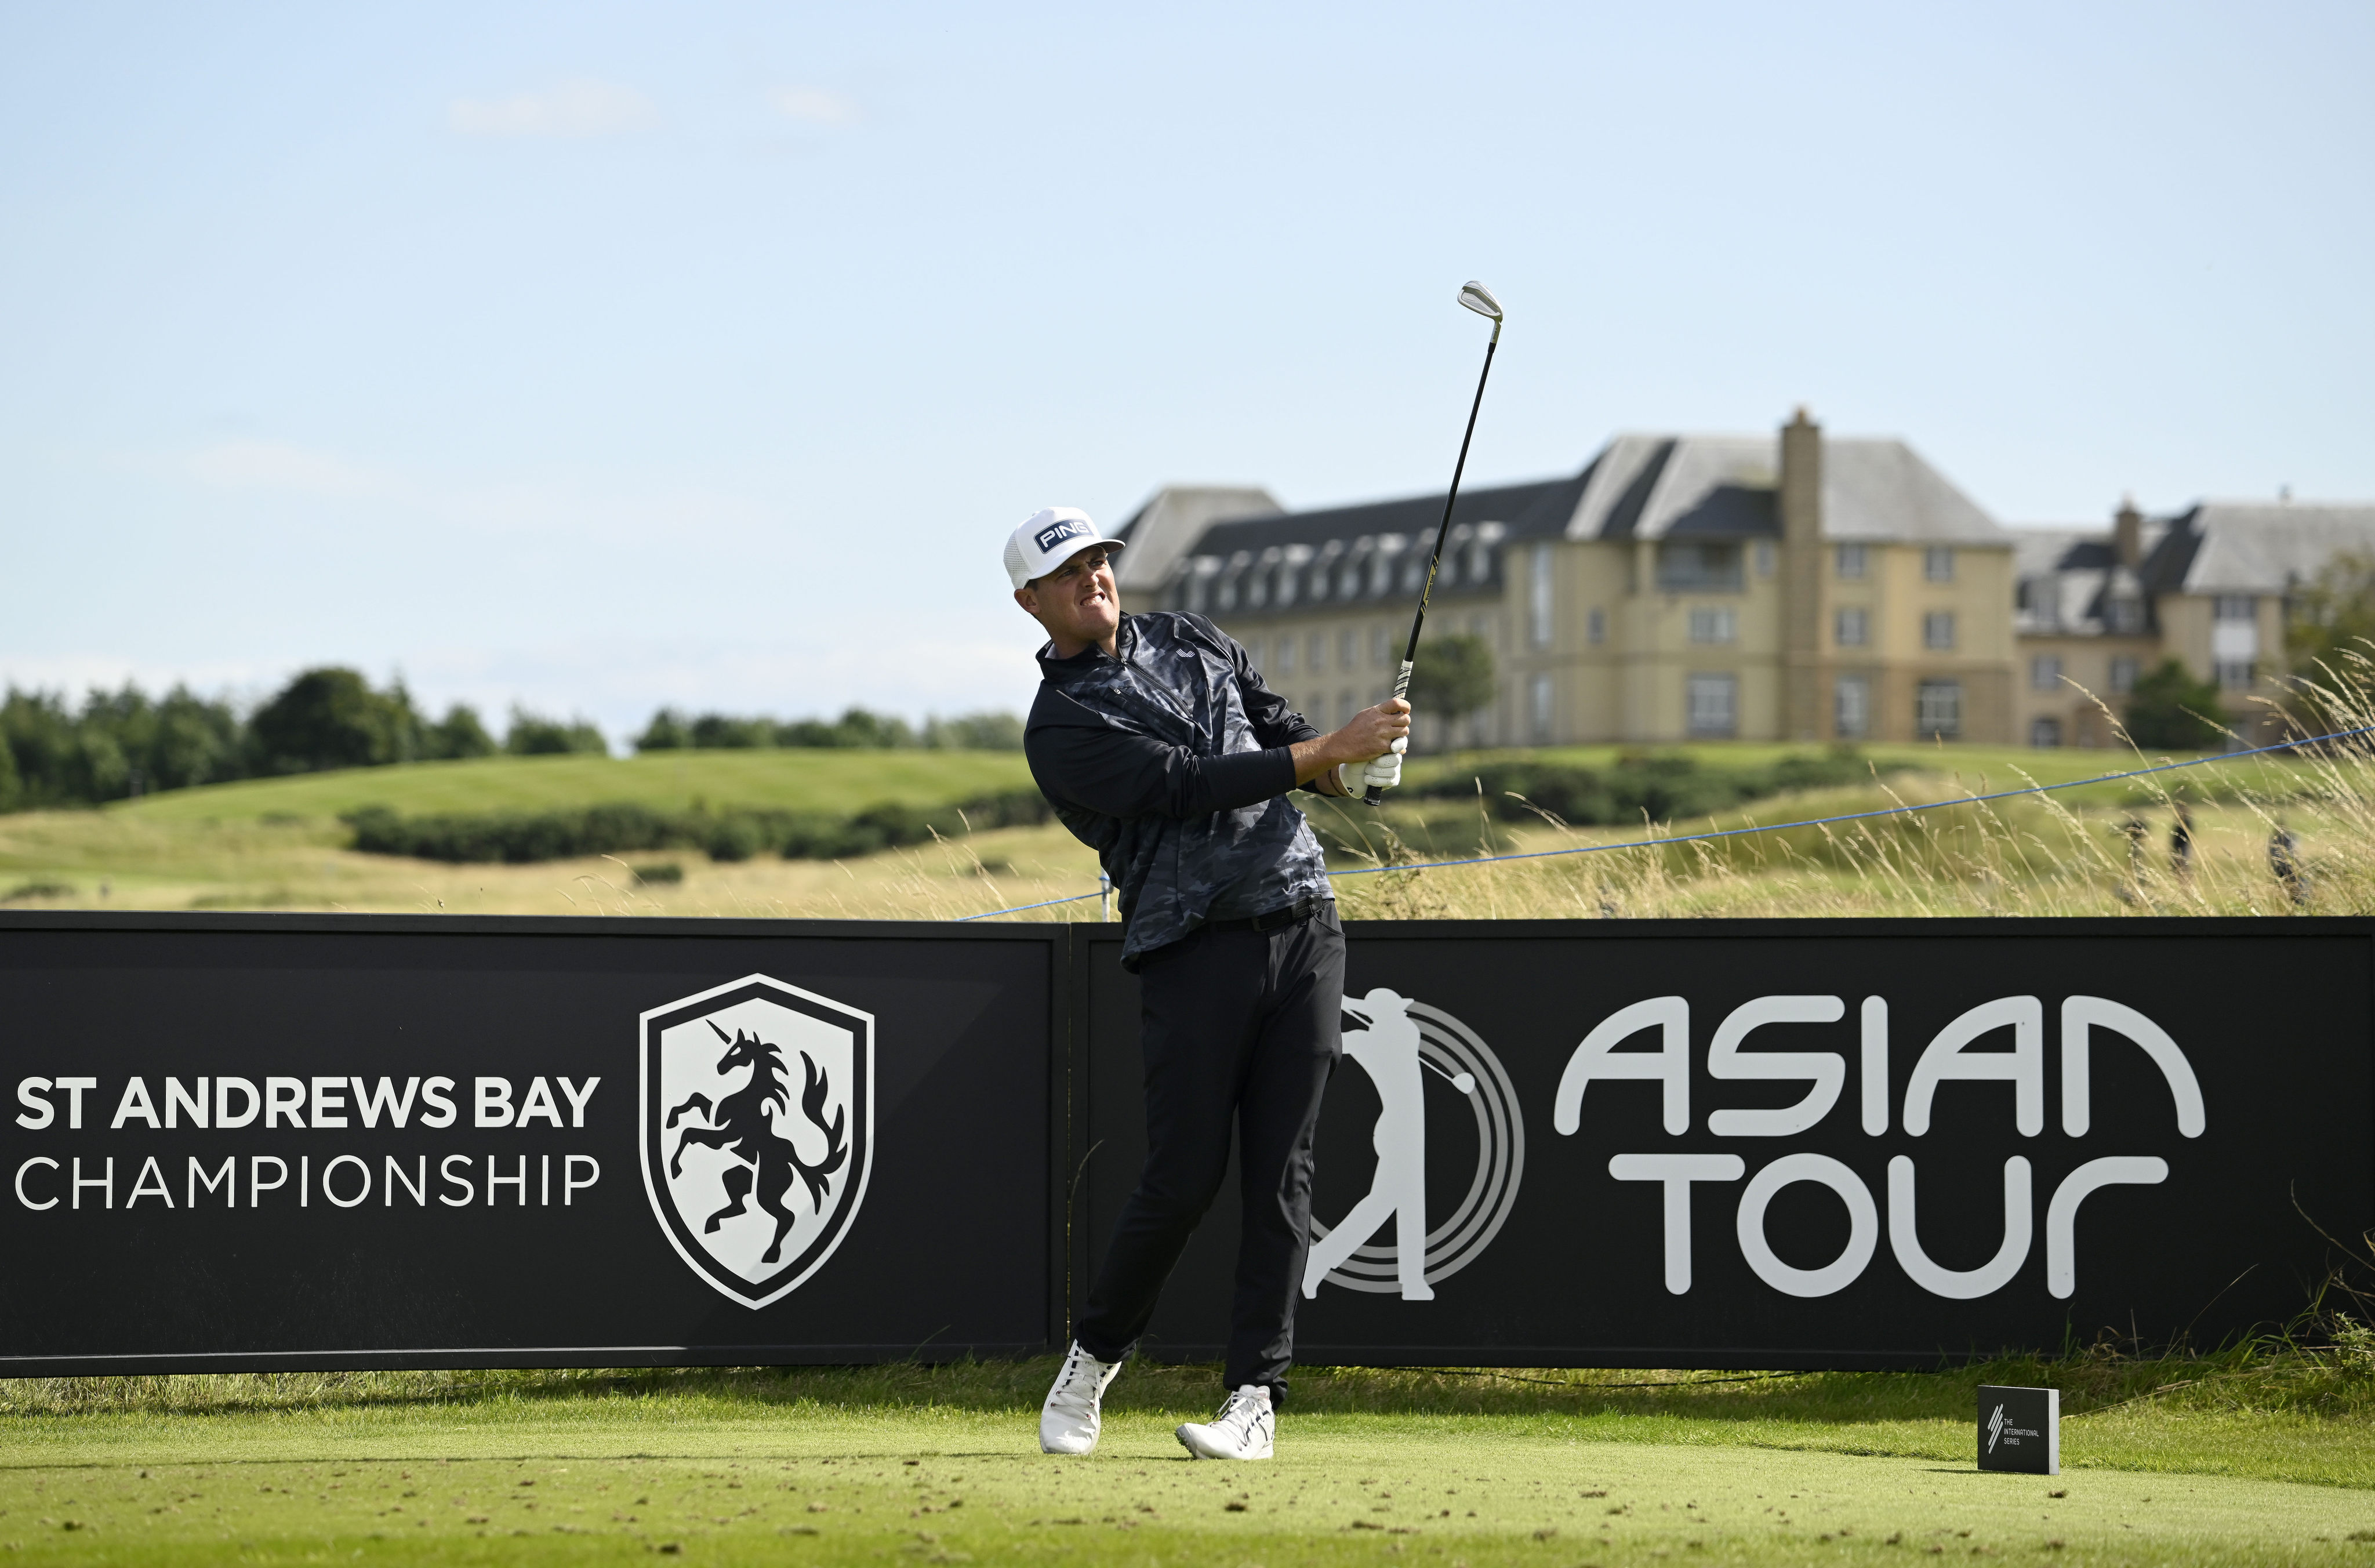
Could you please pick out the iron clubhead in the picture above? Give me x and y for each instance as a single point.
(1477, 297)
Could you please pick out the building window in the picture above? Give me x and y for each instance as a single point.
(1254, 653)
(1714, 704)
(2045, 732)
(1344, 709)
(1382, 642)
(1595, 625)
(2124, 674)
(2233, 675)
(2124, 616)
(1852, 628)
(1851, 707)
(1318, 651)
(1538, 598)
(1539, 705)
(2045, 674)
(1348, 648)
(1848, 561)
(1938, 628)
(1694, 566)
(1765, 558)
(2234, 607)
(1938, 564)
(1713, 623)
(1938, 709)
(1286, 656)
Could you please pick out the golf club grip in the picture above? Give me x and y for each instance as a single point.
(1376, 796)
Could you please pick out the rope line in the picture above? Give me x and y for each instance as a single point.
(1782, 827)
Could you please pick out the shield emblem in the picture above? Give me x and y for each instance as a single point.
(757, 1130)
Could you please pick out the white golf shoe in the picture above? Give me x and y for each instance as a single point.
(1242, 1431)
(1069, 1419)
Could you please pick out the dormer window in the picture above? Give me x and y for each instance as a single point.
(2124, 616)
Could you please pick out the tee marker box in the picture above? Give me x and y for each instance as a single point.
(2020, 1430)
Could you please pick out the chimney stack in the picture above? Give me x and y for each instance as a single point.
(1802, 578)
(2128, 534)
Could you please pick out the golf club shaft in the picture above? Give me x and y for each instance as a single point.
(1410, 654)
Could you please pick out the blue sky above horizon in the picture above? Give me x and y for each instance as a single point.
(595, 357)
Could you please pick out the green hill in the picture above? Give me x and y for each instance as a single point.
(833, 782)
(841, 783)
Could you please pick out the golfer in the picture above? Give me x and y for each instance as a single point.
(1161, 750)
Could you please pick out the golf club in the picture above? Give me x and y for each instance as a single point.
(1473, 296)
(1464, 1082)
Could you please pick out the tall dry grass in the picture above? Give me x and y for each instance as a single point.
(2280, 833)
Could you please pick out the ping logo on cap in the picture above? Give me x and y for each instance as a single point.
(1047, 539)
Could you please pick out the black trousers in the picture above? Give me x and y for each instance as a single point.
(1239, 1025)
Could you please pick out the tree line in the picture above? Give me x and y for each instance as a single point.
(117, 745)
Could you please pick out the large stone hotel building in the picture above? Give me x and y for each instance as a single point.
(1798, 587)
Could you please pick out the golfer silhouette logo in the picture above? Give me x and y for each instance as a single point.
(1402, 1043)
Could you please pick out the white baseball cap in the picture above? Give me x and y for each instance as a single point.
(1048, 540)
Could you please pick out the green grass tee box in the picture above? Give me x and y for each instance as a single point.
(835, 782)
(909, 1464)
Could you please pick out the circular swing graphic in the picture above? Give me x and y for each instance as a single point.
(1447, 1048)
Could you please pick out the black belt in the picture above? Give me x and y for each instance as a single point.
(1272, 920)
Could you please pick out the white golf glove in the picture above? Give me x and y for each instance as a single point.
(1379, 772)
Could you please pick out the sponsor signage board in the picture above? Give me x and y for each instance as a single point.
(1801, 1143)
(255, 1141)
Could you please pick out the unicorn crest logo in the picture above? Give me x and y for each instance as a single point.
(754, 1193)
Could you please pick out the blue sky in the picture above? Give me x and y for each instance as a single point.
(596, 357)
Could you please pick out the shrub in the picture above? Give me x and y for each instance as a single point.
(331, 718)
(734, 838)
(715, 731)
(2169, 709)
(974, 732)
(1453, 676)
(458, 734)
(534, 735)
(669, 731)
(520, 838)
(1661, 786)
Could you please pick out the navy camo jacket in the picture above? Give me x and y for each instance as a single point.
(1172, 762)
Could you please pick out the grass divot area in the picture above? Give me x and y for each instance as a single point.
(940, 1465)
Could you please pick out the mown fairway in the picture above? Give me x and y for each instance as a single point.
(912, 1465)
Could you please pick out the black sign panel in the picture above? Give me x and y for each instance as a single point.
(303, 1141)
(1801, 1143)
(2020, 1430)
(256, 1142)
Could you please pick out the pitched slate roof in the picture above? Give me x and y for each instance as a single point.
(1639, 487)
(1161, 531)
(2229, 546)
(2071, 579)
(1650, 486)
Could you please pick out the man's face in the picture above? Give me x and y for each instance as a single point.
(1077, 602)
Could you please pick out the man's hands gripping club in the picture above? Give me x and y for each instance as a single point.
(1365, 754)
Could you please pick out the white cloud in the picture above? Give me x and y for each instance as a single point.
(278, 466)
(813, 105)
(581, 107)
